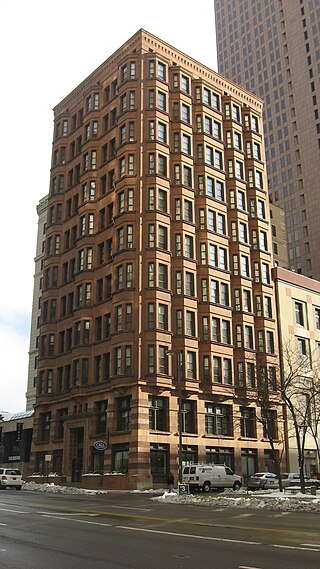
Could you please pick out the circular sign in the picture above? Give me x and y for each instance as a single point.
(100, 445)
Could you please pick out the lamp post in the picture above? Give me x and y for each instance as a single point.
(178, 353)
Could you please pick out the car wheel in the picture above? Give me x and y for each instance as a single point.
(18, 487)
(237, 486)
(264, 486)
(206, 487)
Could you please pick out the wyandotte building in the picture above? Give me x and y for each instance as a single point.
(157, 238)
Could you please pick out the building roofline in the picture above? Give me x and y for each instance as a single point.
(296, 279)
(139, 38)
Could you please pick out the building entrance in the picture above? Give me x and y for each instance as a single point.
(77, 436)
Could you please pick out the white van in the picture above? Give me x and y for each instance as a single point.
(206, 476)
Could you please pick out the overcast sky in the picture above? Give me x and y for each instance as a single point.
(47, 49)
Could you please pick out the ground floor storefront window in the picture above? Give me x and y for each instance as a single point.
(40, 463)
(57, 461)
(249, 462)
(96, 461)
(120, 458)
(189, 455)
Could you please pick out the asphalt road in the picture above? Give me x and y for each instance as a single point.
(130, 531)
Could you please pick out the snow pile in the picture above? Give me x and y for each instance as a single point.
(264, 500)
(52, 488)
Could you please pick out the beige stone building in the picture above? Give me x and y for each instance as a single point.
(272, 49)
(298, 301)
(42, 211)
(158, 238)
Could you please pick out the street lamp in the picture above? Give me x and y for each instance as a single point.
(178, 353)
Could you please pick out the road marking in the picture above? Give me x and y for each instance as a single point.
(293, 547)
(248, 567)
(242, 516)
(310, 544)
(3, 524)
(13, 511)
(307, 547)
(79, 521)
(205, 538)
(131, 508)
(68, 514)
(3, 550)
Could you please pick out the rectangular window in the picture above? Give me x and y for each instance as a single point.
(163, 360)
(299, 313)
(124, 413)
(158, 413)
(248, 422)
(185, 113)
(250, 375)
(217, 372)
(218, 420)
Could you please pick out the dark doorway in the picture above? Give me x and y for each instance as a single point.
(77, 436)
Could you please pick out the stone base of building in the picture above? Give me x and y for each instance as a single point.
(46, 479)
(115, 482)
(98, 481)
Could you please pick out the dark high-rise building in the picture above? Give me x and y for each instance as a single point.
(272, 48)
(157, 239)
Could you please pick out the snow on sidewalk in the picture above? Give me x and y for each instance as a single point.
(259, 500)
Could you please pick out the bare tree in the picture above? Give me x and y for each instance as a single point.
(300, 390)
(268, 415)
(314, 416)
(268, 408)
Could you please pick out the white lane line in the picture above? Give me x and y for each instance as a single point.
(3, 524)
(188, 535)
(242, 516)
(79, 521)
(310, 544)
(248, 567)
(131, 508)
(3, 550)
(293, 547)
(280, 514)
(67, 514)
(13, 511)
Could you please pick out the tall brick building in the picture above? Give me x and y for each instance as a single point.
(157, 238)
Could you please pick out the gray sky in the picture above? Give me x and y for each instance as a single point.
(47, 49)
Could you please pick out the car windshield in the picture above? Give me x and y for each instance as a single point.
(259, 474)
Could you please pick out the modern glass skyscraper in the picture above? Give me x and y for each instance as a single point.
(272, 48)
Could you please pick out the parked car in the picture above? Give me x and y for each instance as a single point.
(207, 476)
(293, 479)
(263, 480)
(10, 478)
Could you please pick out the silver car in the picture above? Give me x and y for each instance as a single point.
(263, 480)
(10, 478)
(293, 479)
